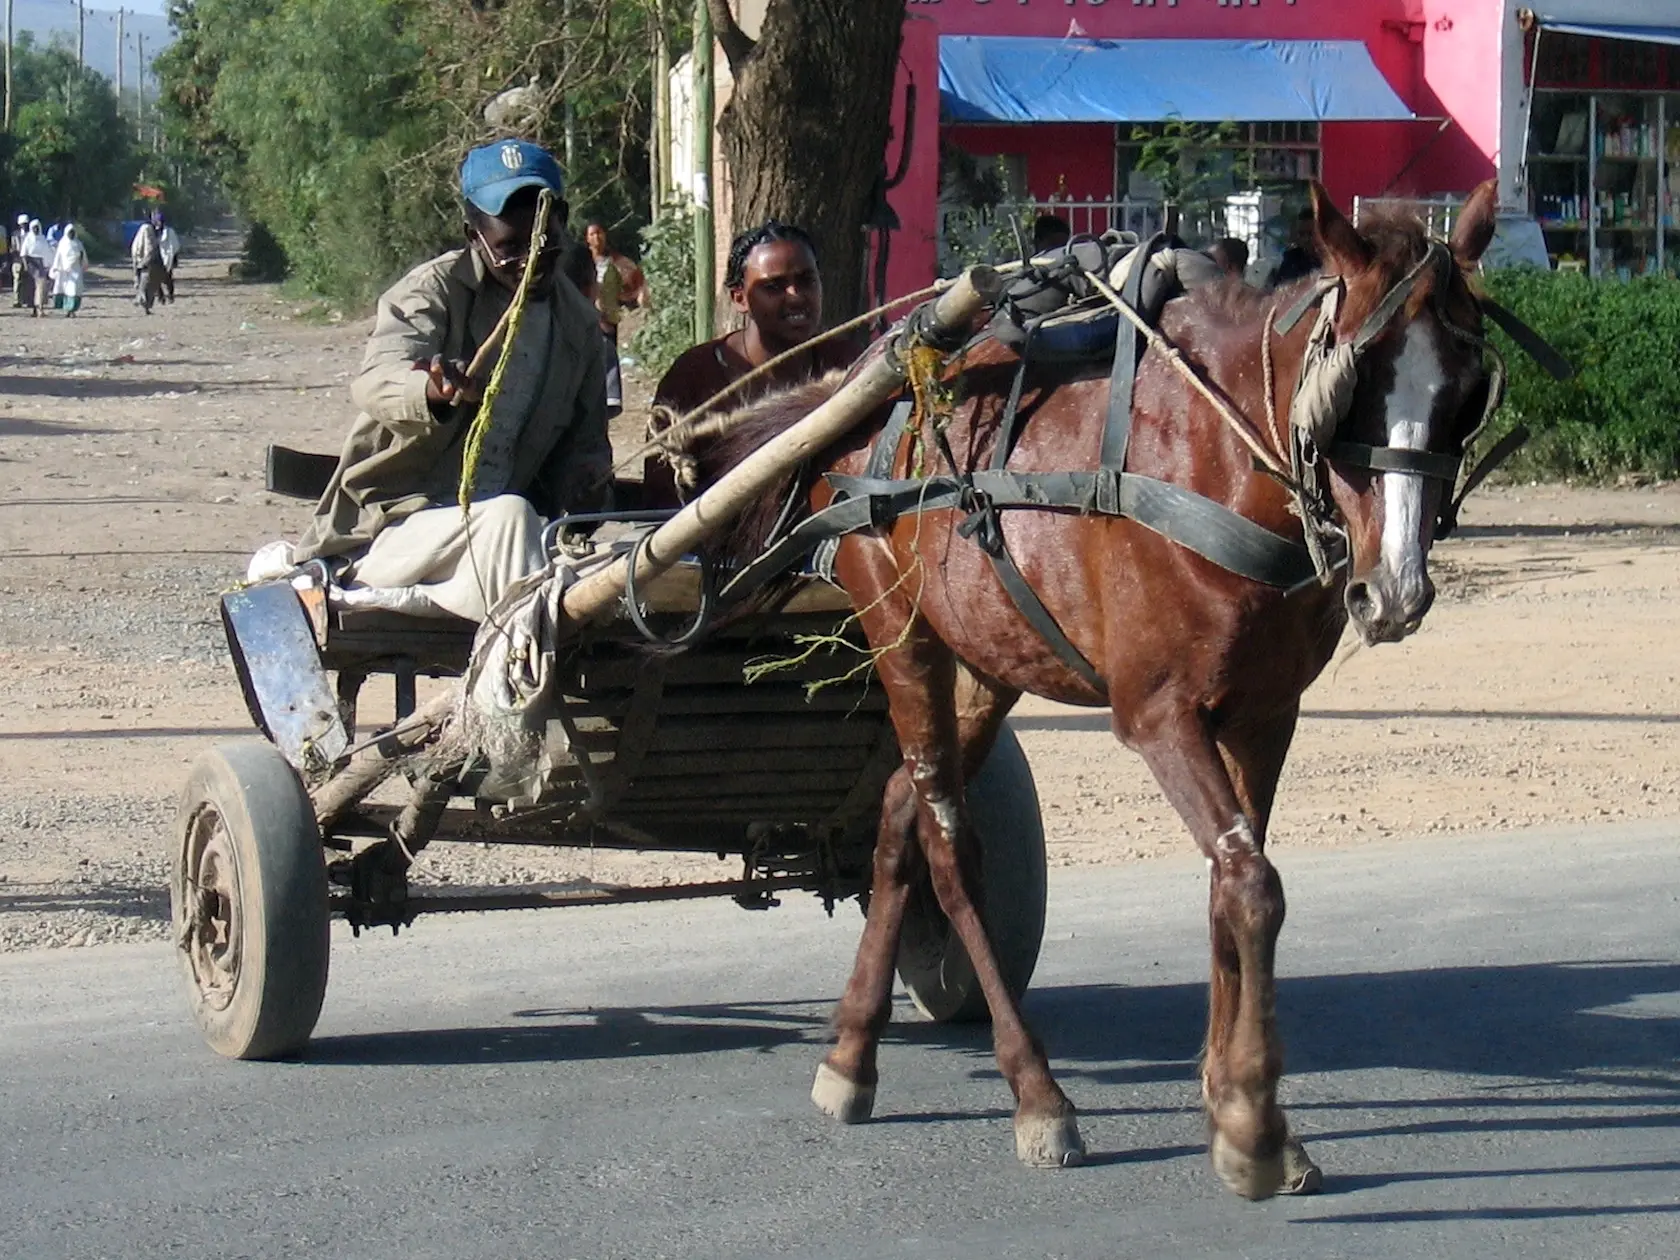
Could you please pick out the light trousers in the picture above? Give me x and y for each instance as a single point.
(429, 552)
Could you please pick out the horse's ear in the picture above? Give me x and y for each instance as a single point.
(1474, 229)
(1340, 245)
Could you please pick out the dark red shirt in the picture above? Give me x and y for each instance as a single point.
(701, 371)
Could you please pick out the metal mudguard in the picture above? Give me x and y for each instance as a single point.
(280, 672)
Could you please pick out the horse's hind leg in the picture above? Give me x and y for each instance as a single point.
(920, 677)
(1244, 1058)
(846, 1079)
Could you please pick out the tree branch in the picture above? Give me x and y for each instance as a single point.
(737, 44)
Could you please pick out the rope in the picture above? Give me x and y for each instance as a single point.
(515, 317)
(1267, 381)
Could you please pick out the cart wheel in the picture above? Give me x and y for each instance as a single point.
(249, 900)
(932, 962)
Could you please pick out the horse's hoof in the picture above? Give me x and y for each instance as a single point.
(1246, 1175)
(847, 1101)
(1300, 1174)
(1049, 1141)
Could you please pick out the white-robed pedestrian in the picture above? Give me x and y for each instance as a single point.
(37, 258)
(69, 267)
(169, 253)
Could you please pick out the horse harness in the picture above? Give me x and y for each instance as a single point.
(1321, 401)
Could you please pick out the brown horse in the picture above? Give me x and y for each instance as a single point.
(1202, 669)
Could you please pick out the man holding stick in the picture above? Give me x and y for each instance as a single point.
(392, 505)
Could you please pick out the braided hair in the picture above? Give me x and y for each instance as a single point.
(741, 248)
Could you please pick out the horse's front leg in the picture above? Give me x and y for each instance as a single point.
(1255, 752)
(1243, 1059)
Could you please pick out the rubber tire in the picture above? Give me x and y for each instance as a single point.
(280, 875)
(932, 963)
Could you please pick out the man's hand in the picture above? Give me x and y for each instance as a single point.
(447, 382)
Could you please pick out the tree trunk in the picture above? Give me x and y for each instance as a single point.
(805, 133)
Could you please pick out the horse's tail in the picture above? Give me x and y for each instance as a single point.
(788, 501)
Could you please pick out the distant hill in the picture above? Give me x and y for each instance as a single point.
(55, 21)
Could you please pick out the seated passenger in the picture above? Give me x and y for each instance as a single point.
(392, 504)
(1050, 231)
(774, 283)
(1230, 255)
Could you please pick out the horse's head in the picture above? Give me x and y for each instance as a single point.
(1410, 332)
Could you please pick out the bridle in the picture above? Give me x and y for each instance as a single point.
(1324, 393)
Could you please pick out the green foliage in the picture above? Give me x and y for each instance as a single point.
(69, 156)
(340, 124)
(972, 235)
(1621, 412)
(1193, 163)
(668, 264)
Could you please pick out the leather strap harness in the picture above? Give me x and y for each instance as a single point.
(1210, 529)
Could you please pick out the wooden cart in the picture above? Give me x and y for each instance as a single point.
(670, 750)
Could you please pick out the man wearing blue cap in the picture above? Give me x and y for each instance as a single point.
(392, 504)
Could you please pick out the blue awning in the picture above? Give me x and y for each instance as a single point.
(1604, 30)
(1016, 79)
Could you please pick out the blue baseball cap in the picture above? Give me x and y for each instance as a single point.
(494, 172)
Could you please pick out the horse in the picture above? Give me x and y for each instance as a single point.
(1202, 669)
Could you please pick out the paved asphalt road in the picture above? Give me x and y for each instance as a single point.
(1482, 1040)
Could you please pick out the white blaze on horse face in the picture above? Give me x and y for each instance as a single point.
(1418, 382)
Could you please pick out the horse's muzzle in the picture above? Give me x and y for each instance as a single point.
(1386, 609)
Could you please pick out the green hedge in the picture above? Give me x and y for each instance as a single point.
(1621, 412)
(668, 265)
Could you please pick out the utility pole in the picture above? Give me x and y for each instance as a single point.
(705, 241)
(140, 86)
(81, 33)
(8, 119)
(571, 90)
(661, 111)
(119, 61)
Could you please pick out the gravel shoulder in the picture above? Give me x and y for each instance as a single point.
(1542, 689)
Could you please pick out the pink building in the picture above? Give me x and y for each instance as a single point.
(1050, 101)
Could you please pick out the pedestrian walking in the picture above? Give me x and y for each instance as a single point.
(146, 253)
(14, 258)
(69, 267)
(609, 293)
(169, 251)
(37, 261)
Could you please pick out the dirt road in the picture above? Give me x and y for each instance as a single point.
(1542, 688)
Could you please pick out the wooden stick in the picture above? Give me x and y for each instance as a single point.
(372, 764)
(598, 594)
(491, 344)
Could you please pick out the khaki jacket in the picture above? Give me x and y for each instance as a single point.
(403, 455)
